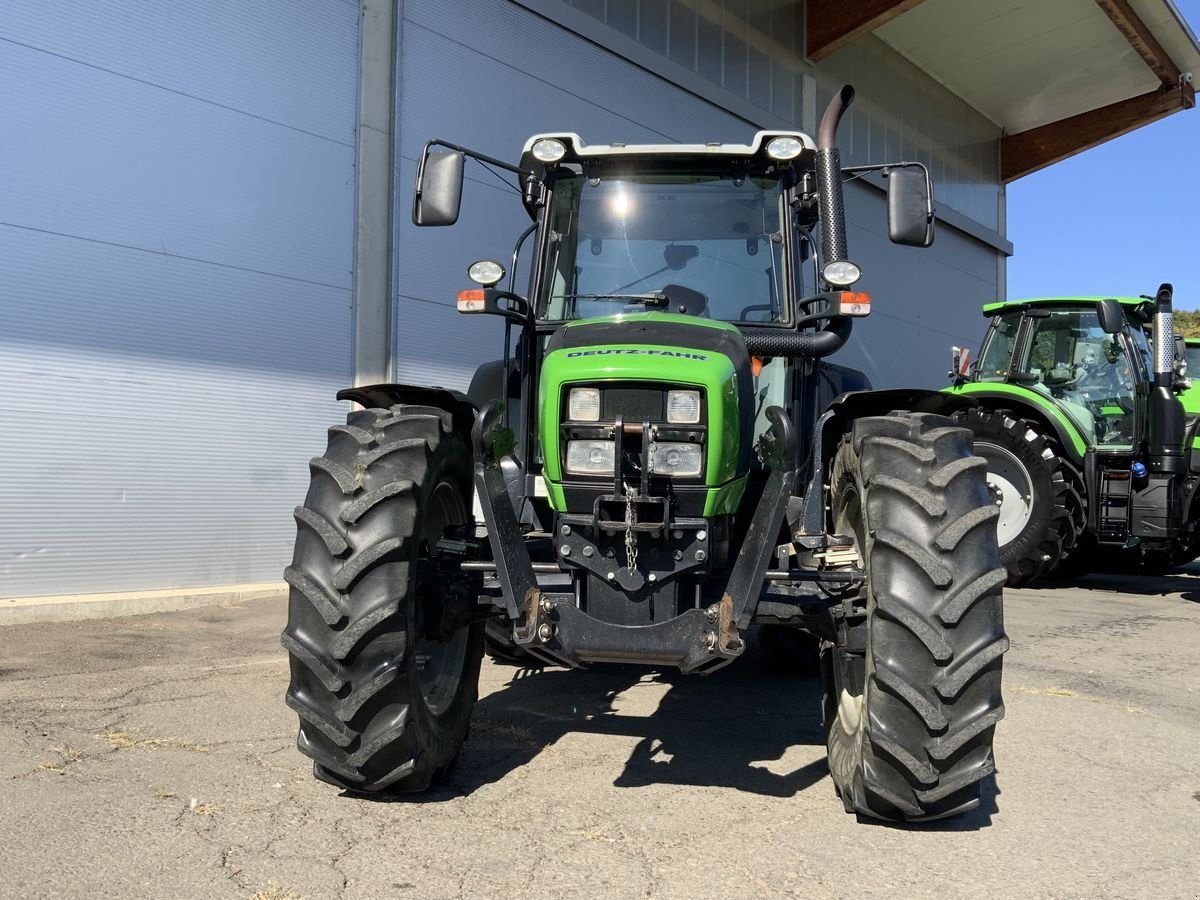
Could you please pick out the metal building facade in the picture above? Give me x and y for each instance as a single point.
(176, 249)
(177, 237)
(654, 71)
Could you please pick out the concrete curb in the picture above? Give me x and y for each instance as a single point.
(78, 607)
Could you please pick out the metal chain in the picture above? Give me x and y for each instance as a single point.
(630, 537)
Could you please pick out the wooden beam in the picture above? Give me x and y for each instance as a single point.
(1141, 39)
(1028, 151)
(832, 24)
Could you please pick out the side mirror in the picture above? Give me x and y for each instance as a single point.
(910, 206)
(1181, 360)
(438, 193)
(1112, 320)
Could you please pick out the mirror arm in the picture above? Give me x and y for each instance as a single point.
(857, 172)
(465, 151)
(522, 314)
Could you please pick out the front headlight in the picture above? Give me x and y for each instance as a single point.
(583, 405)
(591, 457)
(675, 459)
(683, 407)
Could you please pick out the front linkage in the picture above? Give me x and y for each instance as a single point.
(549, 625)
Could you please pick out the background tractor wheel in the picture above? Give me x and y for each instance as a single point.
(383, 694)
(1043, 509)
(912, 688)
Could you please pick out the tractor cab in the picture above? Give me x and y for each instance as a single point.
(1060, 350)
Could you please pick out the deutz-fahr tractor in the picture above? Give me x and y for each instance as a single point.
(1087, 445)
(663, 460)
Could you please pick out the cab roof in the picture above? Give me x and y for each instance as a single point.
(579, 151)
(1000, 306)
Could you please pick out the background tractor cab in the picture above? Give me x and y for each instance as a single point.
(661, 460)
(1082, 431)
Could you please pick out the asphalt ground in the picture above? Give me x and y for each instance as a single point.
(152, 756)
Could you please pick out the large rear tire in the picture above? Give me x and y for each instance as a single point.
(1041, 494)
(912, 687)
(383, 695)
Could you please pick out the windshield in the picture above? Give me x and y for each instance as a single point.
(1193, 361)
(705, 245)
(993, 364)
(1071, 359)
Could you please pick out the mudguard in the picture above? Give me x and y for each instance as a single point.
(809, 518)
(1029, 405)
(383, 395)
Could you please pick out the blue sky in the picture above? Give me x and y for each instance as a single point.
(1117, 219)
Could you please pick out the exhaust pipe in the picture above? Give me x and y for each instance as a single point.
(829, 178)
(1165, 452)
(833, 336)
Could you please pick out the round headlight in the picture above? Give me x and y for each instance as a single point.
(785, 148)
(841, 273)
(548, 150)
(486, 272)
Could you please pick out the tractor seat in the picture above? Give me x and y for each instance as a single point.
(683, 299)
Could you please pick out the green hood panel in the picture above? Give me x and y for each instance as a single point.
(656, 348)
(714, 373)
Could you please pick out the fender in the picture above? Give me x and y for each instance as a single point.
(1008, 396)
(382, 395)
(810, 517)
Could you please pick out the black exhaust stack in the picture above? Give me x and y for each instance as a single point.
(829, 178)
(828, 166)
(1165, 452)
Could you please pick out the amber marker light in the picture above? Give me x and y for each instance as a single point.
(852, 303)
(470, 301)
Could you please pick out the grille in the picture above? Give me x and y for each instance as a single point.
(633, 404)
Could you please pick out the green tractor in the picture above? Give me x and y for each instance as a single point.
(1191, 393)
(663, 461)
(1088, 447)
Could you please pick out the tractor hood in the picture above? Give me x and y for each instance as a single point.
(633, 362)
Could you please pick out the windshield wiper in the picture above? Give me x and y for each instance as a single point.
(655, 298)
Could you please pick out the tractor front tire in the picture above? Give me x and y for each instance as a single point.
(1040, 493)
(383, 693)
(912, 686)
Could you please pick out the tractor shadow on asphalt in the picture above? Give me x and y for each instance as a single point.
(723, 730)
(731, 729)
(1184, 582)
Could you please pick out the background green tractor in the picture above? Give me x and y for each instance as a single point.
(1190, 396)
(663, 460)
(1087, 444)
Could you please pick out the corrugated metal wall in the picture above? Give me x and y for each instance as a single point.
(176, 246)
(516, 73)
